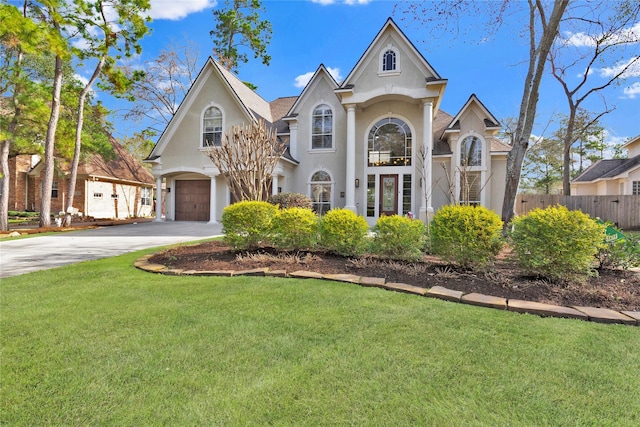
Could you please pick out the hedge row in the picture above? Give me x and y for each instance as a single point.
(552, 243)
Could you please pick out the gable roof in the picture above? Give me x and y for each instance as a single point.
(253, 104)
(608, 168)
(320, 72)
(389, 24)
(490, 120)
(247, 96)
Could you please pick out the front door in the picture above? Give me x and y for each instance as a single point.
(388, 194)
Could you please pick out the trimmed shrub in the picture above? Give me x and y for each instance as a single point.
(247, 224)
(399, 237)
(557, 244)
(344, 232)
(291, 200)
(466, 235)
(295, 229)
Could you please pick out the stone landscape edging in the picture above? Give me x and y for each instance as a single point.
(593, 314)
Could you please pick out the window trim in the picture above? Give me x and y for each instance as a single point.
(310, 184)
(202, 132)
(146, 198)
(55, 189)
(381, 61)
(388, 119)
(333, 127)
(635, 188)
(479, 169)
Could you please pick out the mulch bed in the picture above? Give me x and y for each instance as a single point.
(614, 289)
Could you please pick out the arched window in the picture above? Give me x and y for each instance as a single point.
(470, 171)
(322, 128)
(320, 190)
(389, 61)
(471, 152)
(212, 127)
(389, 143)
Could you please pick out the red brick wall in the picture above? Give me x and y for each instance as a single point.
(18, 167)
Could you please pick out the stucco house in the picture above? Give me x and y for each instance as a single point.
(376, 143)
(612, 177)
(117, 188)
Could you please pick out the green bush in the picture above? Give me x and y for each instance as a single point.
(295, 229)
(247, 224)
(466, 235)
(344, 232)
(620, 253)
(399, 237)
(291, 200)
(556, 243)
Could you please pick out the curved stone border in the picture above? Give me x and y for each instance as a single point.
(601, 315)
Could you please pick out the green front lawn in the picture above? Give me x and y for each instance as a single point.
(102, 343)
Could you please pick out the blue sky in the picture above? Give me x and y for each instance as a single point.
(337, 32)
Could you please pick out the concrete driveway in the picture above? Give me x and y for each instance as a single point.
(43, 252)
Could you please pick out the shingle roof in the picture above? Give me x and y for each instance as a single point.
(608, 168)
(122, 167)
(249, 98)
(440, 122)
(279, 108)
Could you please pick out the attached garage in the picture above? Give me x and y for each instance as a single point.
(193, 200)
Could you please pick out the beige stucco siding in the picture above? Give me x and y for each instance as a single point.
(183, 150)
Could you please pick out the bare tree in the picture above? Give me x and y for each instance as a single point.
(542, 27)
(247, 156)
(600, 36)
(162, 84)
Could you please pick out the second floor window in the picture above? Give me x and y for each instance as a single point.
(471, 152)
(322, 128)
(389, 61)
(212, 127)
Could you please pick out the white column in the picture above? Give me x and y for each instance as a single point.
(274, 184)
(426, 207)
(293, 138)
(350, 198)
(158, 199)
(212, 201)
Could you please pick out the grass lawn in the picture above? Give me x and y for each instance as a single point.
(102, 343)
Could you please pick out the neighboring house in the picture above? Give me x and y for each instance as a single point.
(376, 143)
(611, 177)
(116, 189)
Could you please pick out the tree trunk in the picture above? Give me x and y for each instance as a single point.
(4, 193)
(568, 142)
(537, 60)
(78, 142)
(49, 145)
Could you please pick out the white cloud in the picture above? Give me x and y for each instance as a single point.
(175, 10)
(302, 80)
(347, 2)
(632, 91)
(632, 71)
(626, 35)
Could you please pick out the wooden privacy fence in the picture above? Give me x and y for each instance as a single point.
(624, 211)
